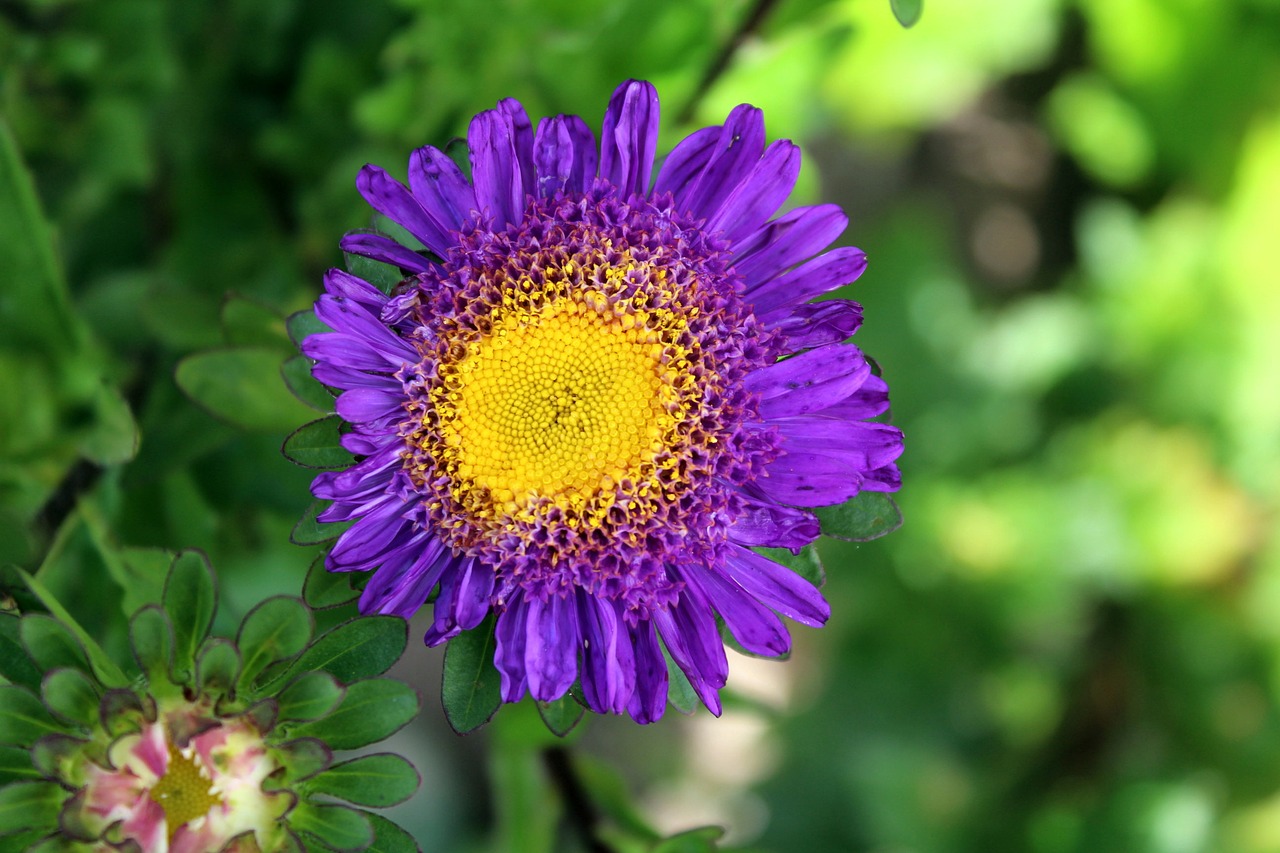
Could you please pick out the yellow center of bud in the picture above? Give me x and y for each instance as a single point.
(185, 792)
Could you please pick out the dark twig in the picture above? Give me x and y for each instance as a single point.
(759, 11)
(579, 811)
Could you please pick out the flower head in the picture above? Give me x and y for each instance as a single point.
(593, 394)
(199, 745)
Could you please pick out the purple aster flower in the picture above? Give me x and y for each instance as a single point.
(594, 394)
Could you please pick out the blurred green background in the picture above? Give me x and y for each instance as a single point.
(1071, 209)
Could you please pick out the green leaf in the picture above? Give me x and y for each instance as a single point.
(609, 793)
(112, 439)
(324, 589)
(274, 630)
(151, 635)
(807, 564)
(318, 445)
(310, 696)
(377, 780)
(907, 11)
(103, 666)
(332, 827)
(700, 840)
(242, 386)
(471, 687)
(71, 696)
(869, 515)
(382, 276)
(301, 758)
(15, 665)
(680, 692)
(16, 766)
(217, 667)
(296, 373)
(371, 710)
(561, 715)
(51, 644)
(389, 837)
(23, 717)
(308, 531)
(139, 572)
(304, 324)
(180, 317)
(30, 805)
(357, 649)
(247, 322)
(190, 598)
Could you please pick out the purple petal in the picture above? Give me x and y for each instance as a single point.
(761, 192)
(440, 187)
(522, 139)
(496, 145)
(809, 479)
(886, 479)
(384, 249)
(369, 540)
(392, 199)
(463, 601)
(689, 631)
(870, 400)
(510, 634)
(821, 275)
(342, 283)
(368, 477)
(751, 623)
(817, 324)
(777, 586)
(551, 647)
(738, 146)
(399, 588)
(347, 378)
(808, 382)
(352, 318)
(686, 161)
(649, 700)
(858, 445)
(761, 524)
(608, 677)
(629, 137)
(349, 351)
(786, 241)
(564, 156)
(369, 405)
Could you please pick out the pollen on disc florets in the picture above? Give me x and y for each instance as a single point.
(578, 417)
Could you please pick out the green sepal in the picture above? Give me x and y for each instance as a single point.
(300, 758)
(247, 322)
(807, 564)
(680, 693)
(377, 780)
(296, 373)
(16, 765)
(276, 629)
(152, 638)
(51, 644)
(370, 711)
(389, 837)
(122, 711)
(303, 324)
(318, 445)
(700, 840)
(360, 648)
(26, 806)
(869, 515)
(23, 717)
(471, 688)
(16, 665)
(190, 599)
(385, 277)
(324, 589)
(907, 11)
(310, 696)
(262, 714)
(332, 827)
(60, 757)
(561, 715)
(59, 844)
(72, 697)
(309, 531)
(217, 667)
(241, 386)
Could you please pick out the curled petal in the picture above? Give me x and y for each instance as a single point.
(630, 137)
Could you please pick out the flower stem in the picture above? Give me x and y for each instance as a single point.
(578, 810)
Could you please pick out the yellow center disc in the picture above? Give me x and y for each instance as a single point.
(183, 792)
(558, 400)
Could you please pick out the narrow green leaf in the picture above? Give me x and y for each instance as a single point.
(389, 837)
(318, 445)
(23, 717)
(471, 687)
(332, 827)
(15, 664)
(357, 649)
(869, 515)
(16, 766)
(247, 322)
(907, 11)
(51, 644)
(71, 696)
(27, 805)
(371, 711)
(217, 667)
(104, 667)
(700, 840)
(113, 438)
(324, 589)
(378, 780)
(242, 386)
(310, 696)
(560, 716)
(274, 630)
(309, 531)
(296, 373)
(609, 793)
(304, 324)
(190, 599)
